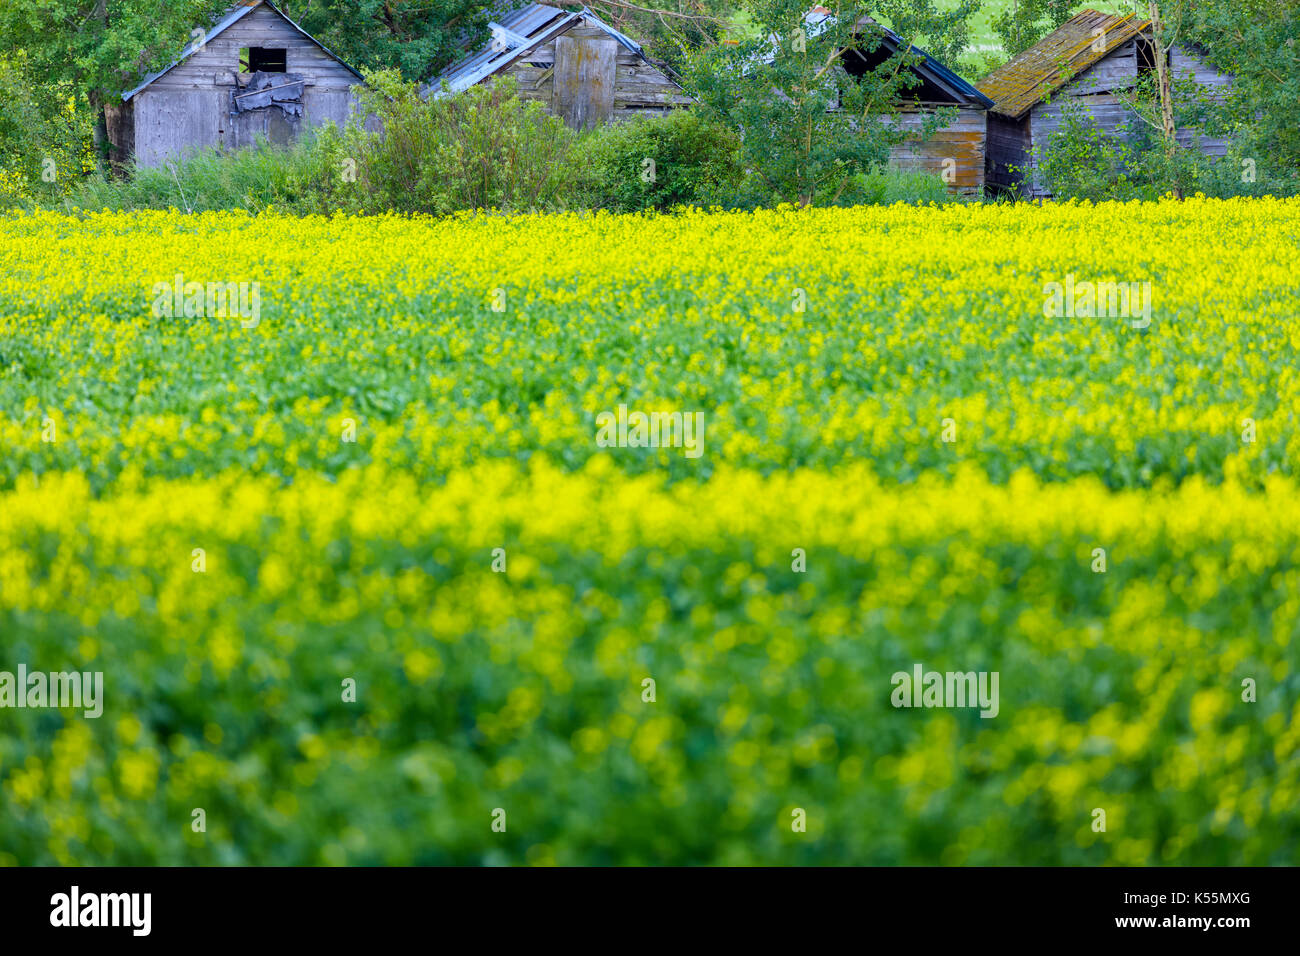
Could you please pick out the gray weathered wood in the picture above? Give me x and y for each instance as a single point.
(583, 84)
(190, 107)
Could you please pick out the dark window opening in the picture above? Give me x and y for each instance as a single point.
(857, 63)
(1146, 56)
(260, 59)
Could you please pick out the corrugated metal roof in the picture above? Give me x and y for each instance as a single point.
(537, 23)
(220, 27)
(1056, 59)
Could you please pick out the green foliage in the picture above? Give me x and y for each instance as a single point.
(1085, 162)
(942, 30)
(485, 148)
(44, 137)
(101, 45)
(1023, 23)
(808, 124)
(660, 162)
(416, 39)
(670, 32)
(1258, 42)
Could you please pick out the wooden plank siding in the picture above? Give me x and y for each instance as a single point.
(189, 108)
(639, 88)
(1185, 63)
(582, 83)
(1097, 90)
(959, 147)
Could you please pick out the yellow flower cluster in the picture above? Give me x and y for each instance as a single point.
(806, 338)
(358, 572)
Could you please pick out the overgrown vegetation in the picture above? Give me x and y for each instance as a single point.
(1135, 160)
(661, 162)
(484, 149)
(487, 148)
(814, 101)
(795, 112)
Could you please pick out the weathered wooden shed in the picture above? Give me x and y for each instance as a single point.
(254, 73)
(1090, 61)
(956, 152)
(580, 68)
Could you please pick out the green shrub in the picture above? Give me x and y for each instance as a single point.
(884, 186)
(484, 148)
(1082, 161)
(659, 162)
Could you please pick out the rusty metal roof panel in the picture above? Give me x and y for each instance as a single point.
(1060, 56)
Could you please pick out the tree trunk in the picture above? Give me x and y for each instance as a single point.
(1166, 91)
(102, 144)
(96, 98)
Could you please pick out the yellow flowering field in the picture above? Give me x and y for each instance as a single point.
(353, 517)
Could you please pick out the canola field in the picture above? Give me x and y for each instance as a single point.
(363, 583)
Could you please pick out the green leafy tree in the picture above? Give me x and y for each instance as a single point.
(813, 103)
(416, 37)
(943, 30)
(1258, 42)
(44, 137)
(96, 48)
(1024, 22)
(668, 32)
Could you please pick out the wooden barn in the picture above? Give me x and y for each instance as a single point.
(254, 73)
(577, 66)
(955, 153)
(1088, 61)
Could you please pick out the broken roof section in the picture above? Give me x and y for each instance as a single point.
(819, 19)
(220, 27)
(1056, 59)
(513, 36)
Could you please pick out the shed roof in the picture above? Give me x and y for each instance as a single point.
(1056, 59)
(221, 26)
(819, 19)
(516, 34)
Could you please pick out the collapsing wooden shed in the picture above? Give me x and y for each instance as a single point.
(254, 73)
(580, 68)
(1090, 62)
(955, 153)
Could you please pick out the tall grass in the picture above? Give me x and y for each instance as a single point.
(297, 178)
